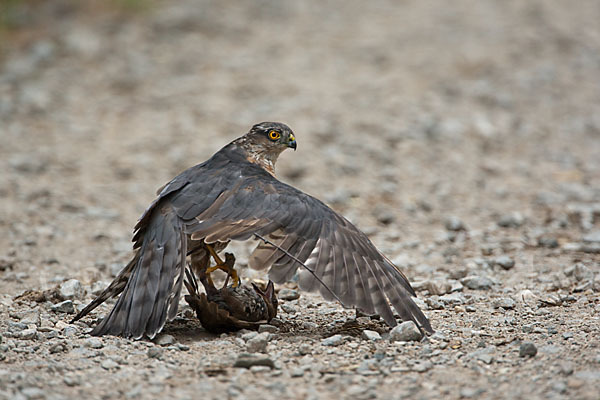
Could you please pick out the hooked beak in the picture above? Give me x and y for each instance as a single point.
(292, 141)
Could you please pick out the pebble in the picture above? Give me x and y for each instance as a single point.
(527, 349)
(258, 344)
(267, 328)
(566, 367)
(71, 289)
(93, 343)
(370, 335)
(422, 366)
(28, 334)
(477, 282)
(155, 352)
(438, 287)
(583, 273)
(72, 380)
(454, 224)
(548, 241)
(512, 220)
(288, 294)
(32, 317)
(405, 332)
(505, 262)
(297, 372)
(246, 360)
(165, 340)
(63, 307)
(452, 299)
(70, 330)
(109, 364)
(506, 302)
(31, 393)
(334, 340)
(305, 349)
(592, 237)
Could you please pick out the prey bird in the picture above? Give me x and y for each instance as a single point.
(235, 195)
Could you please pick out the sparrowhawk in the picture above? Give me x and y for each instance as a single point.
(235, 195)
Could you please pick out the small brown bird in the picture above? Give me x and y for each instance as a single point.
(230, 308)
(235, 196)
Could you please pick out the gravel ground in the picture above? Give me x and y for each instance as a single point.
(462, 137)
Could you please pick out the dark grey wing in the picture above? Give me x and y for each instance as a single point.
(340, 255)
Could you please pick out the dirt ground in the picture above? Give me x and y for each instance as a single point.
(462, 137)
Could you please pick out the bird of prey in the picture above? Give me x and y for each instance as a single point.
(233, 307)
(235, 195)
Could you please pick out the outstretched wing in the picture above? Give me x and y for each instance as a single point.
(339, 254)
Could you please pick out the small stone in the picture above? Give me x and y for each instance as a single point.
(31, 393)
(245, 360)
(438, 287)
(63, 307)
(477, 282)
(566, 367)
(422, 366)
(70, 330)
(583, 273)
(334, 340)
(165, 340)
(592, 237)
(305, 349)
(267, 328)
(506, 302)
(249, 335)
(71, 289)
(452, 299)
(505, 262)
(72, 380)
(513, 220)
(32, 317)
(28, 334)
(567, 335)
(155, 352)
(109, 364)
(548, 241)
(454, 224)
(297, 373)
(405, 332)
(258, 344)
(527, 349)
(288, 294)
(370, 335)
(93, 343)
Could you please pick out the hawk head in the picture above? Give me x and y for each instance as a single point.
(265, 141)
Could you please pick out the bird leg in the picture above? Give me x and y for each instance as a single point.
(226, 266)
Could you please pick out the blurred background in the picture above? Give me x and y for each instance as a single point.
(463, 137)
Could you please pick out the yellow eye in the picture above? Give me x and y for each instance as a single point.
(274, 135)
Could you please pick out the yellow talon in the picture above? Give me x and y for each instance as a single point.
(226, 266)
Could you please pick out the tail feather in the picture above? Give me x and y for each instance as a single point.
(150, 285)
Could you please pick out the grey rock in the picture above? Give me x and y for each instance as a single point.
(527, 349)
(438, 287)
(454, 224)
(155, 352)
(32, 317)
(583, 273)
(452, 299)
(548, 241)
(33, 393)
(405, 332)
(334, 340)
(297, 372)
(70, 330)
(477, 282)
(246, 360)
(370, 335)
(164, 340)
(249, 335)
(288, 294)
(71, 289)
(305, 349)
(505, 262)
(258, 344)
(422, 366)
(566, 367)
(592, 237)
(267, 328)
(288, 308)
(72, 380)
(513, 220)
(109, 364)
(63, 307)
(93, 343)
(28, 334)
(506, 302)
